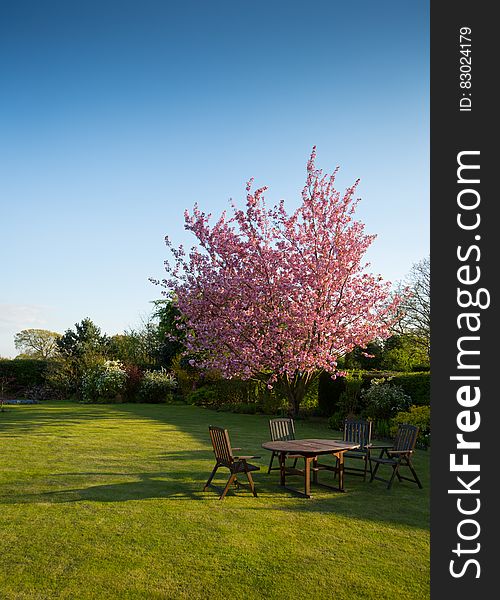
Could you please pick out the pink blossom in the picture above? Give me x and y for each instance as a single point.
(267, 292)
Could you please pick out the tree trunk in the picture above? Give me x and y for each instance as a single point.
(295, 388)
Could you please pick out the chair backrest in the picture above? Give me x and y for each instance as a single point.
(358, 432)
(406, 437)
(282, 429)
(221, 444)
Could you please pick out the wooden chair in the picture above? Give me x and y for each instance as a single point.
(398, 455)
(224, 457)
(281, 430)
(358, 432)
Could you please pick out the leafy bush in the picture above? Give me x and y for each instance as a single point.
(205, 396)
(382, 400)
(272, 403)
(157, 386)
(420, 416)
(383, 428)
(104, 382)
(416, 385)
(246, 408)
(349, 399)
(61, 377)
(228, 394)
(336, 421)
(134, 378)
(186, 376)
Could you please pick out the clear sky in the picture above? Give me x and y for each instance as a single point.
(115, 116)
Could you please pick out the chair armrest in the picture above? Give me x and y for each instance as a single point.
(236, 448)
(399, 452)
(373, 447)
(246, 457)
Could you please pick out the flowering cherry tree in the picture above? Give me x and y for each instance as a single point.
(267, 294)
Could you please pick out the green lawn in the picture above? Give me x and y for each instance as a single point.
(105, 501)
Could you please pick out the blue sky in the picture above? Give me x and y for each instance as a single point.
(116, 116)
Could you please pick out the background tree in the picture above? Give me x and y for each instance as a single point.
(416, 307)
(138, 346)
(37, 343)
(366, 358)
(170, 339)
(85, 340)
(401, 353)
(79, 350)
(277, 296)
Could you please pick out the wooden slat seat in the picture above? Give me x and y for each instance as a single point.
(358, 432)
(224, 457)
(398, 455)
(282, 430)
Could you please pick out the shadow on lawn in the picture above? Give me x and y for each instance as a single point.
(379, 505)
(41, 419)
(177, 480)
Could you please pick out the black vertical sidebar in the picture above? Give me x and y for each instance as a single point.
(465, 268)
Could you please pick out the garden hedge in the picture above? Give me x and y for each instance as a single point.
(20, 373)
(416, 385)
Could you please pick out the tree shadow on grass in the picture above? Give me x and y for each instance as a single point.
(41, 419)
(177, 480)
(362, 501)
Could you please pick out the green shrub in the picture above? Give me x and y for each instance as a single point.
(246, 408)
(157, 386)
(104, 382)
(232, 391)
(348, 403)
(383, 428)
(383, 400)
(415, 384)
(420, 416)
(272, 403)
(205, 396)
(61, 377)
(228, 394)
(186, 376)
(336, 421)
(226, 407)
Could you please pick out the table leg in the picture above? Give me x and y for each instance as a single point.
(282, 467)
(341, 470)
(315, 471)
(307, 476)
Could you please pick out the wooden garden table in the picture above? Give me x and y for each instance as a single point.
(310, 449)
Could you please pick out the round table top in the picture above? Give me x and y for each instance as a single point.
(310, 446)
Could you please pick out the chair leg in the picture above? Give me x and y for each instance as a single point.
(251, 483)
(228, 485)
(295, 463)
(414, 473)
(373, 471)
(395, 472)
(212, 475)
